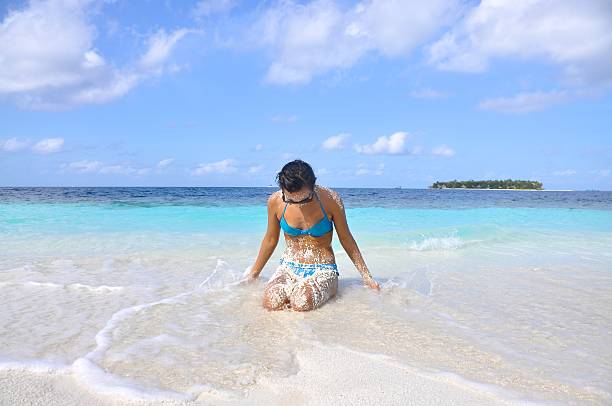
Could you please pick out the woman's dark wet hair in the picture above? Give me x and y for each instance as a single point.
(295, 175)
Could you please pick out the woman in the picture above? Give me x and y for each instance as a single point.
(307, 275)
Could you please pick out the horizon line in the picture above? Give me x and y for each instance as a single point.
(337, 187)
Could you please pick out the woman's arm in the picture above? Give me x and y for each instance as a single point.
(348, 242)
(269, 241)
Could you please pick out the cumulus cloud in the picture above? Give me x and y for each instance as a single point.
(443, 150)
(48, 145)
(164, 163)
(12, 144)
(336, 142)
(573, 34)
(223, 166)
(50, 61)
(393, 144)
(313, 38)
(83, 166)
(123, 170)
(44, 146)
(89, 166)
(525, 102)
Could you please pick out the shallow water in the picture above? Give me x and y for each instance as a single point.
(135, 289)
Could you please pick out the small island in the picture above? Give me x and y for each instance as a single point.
(489, 184)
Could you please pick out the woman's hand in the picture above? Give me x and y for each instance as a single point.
(247, 276)
(371, 283)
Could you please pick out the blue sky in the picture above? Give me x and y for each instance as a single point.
(379, 93)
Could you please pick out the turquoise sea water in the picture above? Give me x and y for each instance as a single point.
(507, 288)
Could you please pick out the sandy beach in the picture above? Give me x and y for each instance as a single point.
(326, 376)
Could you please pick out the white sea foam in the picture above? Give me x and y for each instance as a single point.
(94, 377)
(89, 373)
(437, 244)
(71, 286)
(85, 368)
(417, 281)
(43, 284)
(101, 288)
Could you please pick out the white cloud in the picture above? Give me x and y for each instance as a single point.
(573, 34)
(123, 170)
(83, 166)
(255, 168)
(322, 171)
(428, 94)
(362, 170)
(311, 39)
(223, 166)
(443, 150)
(50, 61)
(164, 163)
(88, 166)
(12, 144)
(393, 144)
(336, 142)
(259, 147)
(160, 46)
(48, 145)
(525, 102)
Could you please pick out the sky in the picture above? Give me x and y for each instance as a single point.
(377, 93)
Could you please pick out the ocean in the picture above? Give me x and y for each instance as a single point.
(134, 290)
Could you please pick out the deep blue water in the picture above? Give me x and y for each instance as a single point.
(353, 197)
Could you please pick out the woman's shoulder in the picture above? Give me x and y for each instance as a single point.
(330, 195)
(275, 197)
(275, 201)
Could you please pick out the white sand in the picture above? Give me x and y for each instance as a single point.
(326, 376)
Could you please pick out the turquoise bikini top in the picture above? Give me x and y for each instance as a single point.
(323, 227)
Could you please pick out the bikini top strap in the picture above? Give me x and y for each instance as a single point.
(283, 215)
(321, 204)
